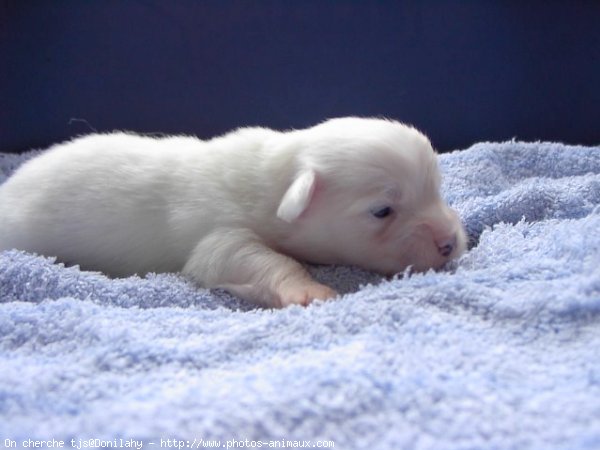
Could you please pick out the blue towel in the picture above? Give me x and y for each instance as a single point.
(500, 351)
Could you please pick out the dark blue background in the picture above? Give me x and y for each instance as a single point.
(462, 71)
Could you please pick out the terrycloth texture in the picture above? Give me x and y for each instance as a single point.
(502, 351)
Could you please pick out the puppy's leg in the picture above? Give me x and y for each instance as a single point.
(238, 261)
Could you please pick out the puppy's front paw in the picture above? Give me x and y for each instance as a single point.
(304, 293)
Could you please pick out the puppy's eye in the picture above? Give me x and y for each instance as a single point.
(383, 212)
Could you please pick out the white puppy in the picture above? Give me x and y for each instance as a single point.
(239, 210)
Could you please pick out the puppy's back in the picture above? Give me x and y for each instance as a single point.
(89, 199)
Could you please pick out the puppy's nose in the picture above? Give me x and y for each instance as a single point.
(447, 245)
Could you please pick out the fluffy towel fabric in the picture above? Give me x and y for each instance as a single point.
(501, 351)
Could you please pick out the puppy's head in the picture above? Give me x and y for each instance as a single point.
(367, 193)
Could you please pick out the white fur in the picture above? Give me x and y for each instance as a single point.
(239, 210)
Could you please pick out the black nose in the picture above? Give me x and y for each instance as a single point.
(447, 246)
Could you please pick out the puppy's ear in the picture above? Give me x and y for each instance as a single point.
(297, 197)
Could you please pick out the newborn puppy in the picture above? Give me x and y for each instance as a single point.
(238, 211)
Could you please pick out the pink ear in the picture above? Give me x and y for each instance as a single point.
(297, 197)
